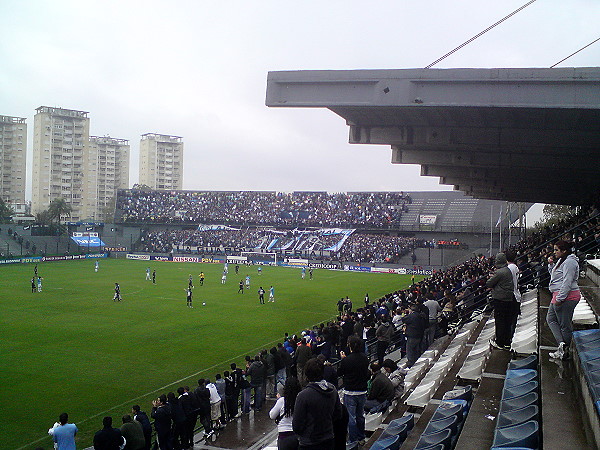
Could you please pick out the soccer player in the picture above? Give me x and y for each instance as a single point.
(35, 270)
(39, 284)
(303, 272)
(147, 273)
(201, 276)
(271, 294)
(117, 297)
(259, 270)
(247, 281)
(226, 268)
(261, 296)
(241, 289)
(154, 276)
(237, 268)
(96, 266)
(310, 273)
(33, 288)
(191, 282)
(223, 278)
(189, 296)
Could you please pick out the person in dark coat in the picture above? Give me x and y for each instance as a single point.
(108, 438)
(142, 418)
(161, 414)
(316, 410)
(133, 433)
(415, 324)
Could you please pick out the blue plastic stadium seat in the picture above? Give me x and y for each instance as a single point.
(511, 448)
(460, 393)
(523, 435)
(531, 362)
(390, 443)
(528, 376)
(408, 419)
(463, 403)
(434, 447)
(587, 346)
(450, 423)
(598, 406)
(443, 437)
(519, 390)
(586, 335)
(517, 373)
(591, 366)
(448, 409)
(593, 381)
(400, 430)
(518, 402)
(518, 416)
(589, 355)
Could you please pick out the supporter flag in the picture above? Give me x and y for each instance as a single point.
(499, 218)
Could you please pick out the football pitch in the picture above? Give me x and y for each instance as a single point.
(71, 348)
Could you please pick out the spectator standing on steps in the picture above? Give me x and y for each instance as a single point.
(564, 273)
(503, 298)
(354, 370)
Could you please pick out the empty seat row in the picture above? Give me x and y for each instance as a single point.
(583, 314)
(445, 425)
(435, 375)
(517, 425)
(474, 364)
(525, 339)
(587, 344)
(395, 433)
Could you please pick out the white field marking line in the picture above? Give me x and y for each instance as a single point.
(164, 387)
(161, 388)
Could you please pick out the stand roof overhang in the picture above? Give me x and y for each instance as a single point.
(521, 135)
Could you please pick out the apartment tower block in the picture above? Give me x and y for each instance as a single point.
(13, 153)
(107, 170)
(161, 161)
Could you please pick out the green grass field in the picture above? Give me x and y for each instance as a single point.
(71, 348)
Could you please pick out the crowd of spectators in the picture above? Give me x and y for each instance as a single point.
(399, 318)
(315, 209)
(357, 247)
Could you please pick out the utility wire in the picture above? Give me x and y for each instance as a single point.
(574, 53)
(480, 34)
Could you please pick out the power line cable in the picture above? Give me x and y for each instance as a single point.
(479, 34)
(574, 53)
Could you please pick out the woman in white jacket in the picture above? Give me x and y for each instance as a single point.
(282, 413)
(564, 273)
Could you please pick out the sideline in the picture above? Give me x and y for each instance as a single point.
(134, 400)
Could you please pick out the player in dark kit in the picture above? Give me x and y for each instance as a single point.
(117, 297)
(154, 276)
(261, 295)
(189, 297)
(241, 289)
(33, 287)
(191, 282)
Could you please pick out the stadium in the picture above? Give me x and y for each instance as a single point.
(281, 319)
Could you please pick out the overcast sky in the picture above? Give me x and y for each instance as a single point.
(198, 69)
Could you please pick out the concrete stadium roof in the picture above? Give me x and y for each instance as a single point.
(521, 135)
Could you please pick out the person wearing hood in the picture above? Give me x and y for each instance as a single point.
(317, 407)
(503, 298)
(564, 273)
(384, 334)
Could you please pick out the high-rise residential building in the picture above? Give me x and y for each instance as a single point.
(60, 143)
(161, 161)
(13, 152)
(106, 170)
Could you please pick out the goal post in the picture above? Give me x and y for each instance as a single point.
(261, 257)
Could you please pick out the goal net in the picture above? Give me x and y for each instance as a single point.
(260, 258)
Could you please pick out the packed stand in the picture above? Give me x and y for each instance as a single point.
(315, 209)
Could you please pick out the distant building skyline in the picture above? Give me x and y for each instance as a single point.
(161, 161)
(13, 158)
